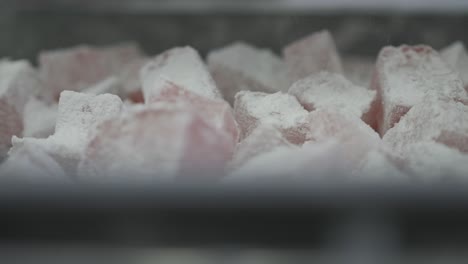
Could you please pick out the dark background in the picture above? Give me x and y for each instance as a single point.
(25, 33)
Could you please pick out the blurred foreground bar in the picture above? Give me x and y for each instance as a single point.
(243, 6)
(313, 217)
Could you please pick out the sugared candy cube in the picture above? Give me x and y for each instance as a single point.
(79, 67)
(279, 109)
(331, 91)
(240, 66)
(312, 54)
(155, 143)
(78, 113)
(443, 121)
(405, 75)
(18, 83)
(77, 116)
(215, 112)
(181, 66)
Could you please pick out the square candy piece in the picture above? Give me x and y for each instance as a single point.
(77, 116)
(240, 66)
(216, 112)
(443, 121)
(312, 54)
(263, 139)
(80, 67)
(155, 143)
(326, 90)
(78, 113)
(18, 83)
(405, 75)
(279, 109)
(181, 66)
(456, 56)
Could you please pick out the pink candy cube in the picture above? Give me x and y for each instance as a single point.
(181, 66)
(216, 112)
(279, 109)
(331, 91)
(154, 143)
(406, 74)
(240, 66)
(312, 54)
(79, 67)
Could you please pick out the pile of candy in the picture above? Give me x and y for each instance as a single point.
(90, 114)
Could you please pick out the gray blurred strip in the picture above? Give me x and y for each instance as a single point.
(239, 6)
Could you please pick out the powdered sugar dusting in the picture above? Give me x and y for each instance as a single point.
(314, 53)
(429, 120)
(263, 139)
(332, 91)
(241, 66)
(278, 109)
(78, 113)
(181, 66)
(430, 161)
(406, 74)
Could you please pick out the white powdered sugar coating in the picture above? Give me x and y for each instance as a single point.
(444, 121)
(431, 161)
(278, 109)
(32, 164)
(314, 53)
(216, 112)
(181, 66)
(64, 154)
(456, 56)
(325, 123)
(78, 113)
(165, 141)
(240, 66)
(39, 118)
(326, 90)
(379, 166)
(312, 161)
(356, 137)
(77, 116)
(19, 81)
(263, 139)
(406, 74)
(410, 75)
